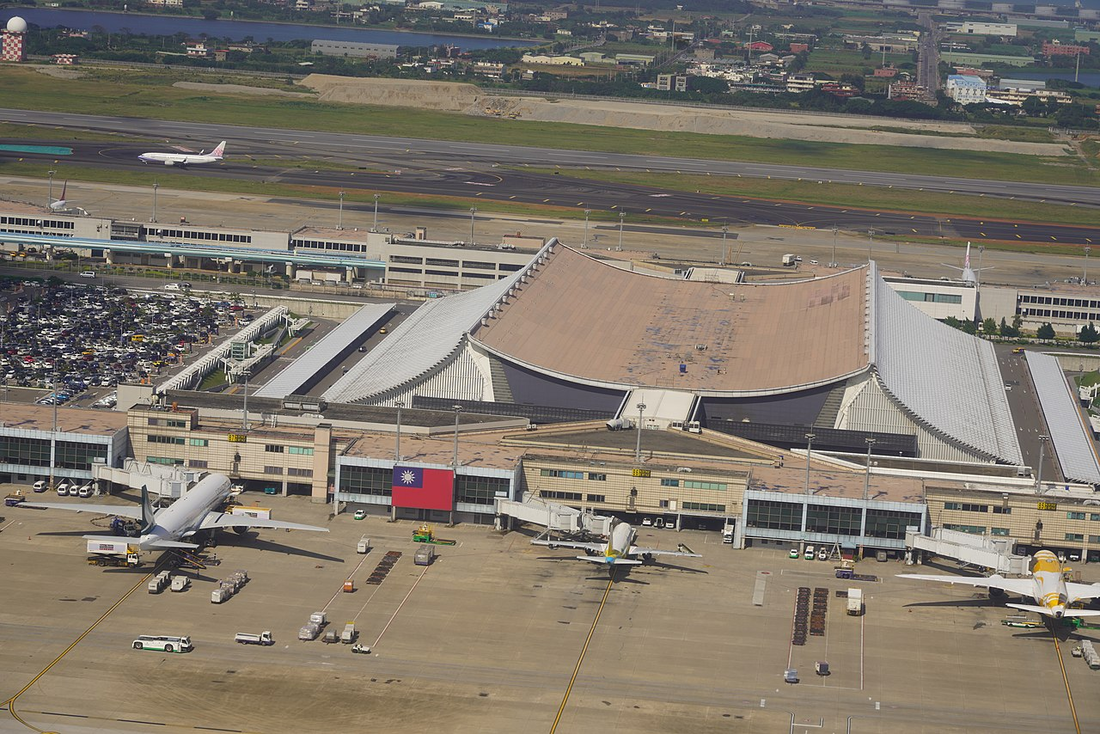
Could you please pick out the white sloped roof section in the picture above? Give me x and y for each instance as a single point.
(947, 379)
(1068, 432)
(302, 369)
(427, 337)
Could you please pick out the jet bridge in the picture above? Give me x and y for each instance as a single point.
(975, 550)
(552, 516)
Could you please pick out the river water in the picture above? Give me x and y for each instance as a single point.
(238, 30)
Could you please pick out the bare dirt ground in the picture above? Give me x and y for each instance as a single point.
(240, 89)
(471, 100)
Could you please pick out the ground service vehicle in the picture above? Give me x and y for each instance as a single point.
(158, 582)
(821, 667)
(349, 634)
(809, 553)
(789, 260)
(163, 643)
(790, 675)
(363, 546)
(855, 602)
(309, 631)
(180, 583)
(251, 638)
(424, 555)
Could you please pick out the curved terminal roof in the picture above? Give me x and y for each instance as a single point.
(425, 339)
(946, 379)
(584, 319)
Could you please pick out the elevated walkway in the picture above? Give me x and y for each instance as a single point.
(553, 517)
(975, 550)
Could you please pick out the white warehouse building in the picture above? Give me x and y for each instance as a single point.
(966, 89)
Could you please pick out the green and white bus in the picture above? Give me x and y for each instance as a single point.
(163, 643)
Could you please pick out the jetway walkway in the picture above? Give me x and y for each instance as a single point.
(553, 517)
(975, 550)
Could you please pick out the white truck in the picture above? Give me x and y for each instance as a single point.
(180, 583)
(363, 545)
(251, 638)
(789, 260)
(855, 602)
(349, 634)
(220, 595)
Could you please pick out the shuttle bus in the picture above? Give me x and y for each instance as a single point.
(163, 643)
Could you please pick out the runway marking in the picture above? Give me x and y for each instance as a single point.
(11, 701)
(580, 660)
(396, 611)
(1065, 679)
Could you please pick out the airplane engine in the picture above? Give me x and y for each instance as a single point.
(240, 529)
(996, 593)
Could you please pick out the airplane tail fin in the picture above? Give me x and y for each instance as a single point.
(966, 261)
(63, 190)
(219, 151)
(147, 514)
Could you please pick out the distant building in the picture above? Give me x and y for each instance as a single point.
(672, 83)
(965, 89)
(905, 90)
(886, 72)
(797, 83)
(634, 59)
(551, 60)
(797, 48)
(1063, 49)
(760, 46)
(980, 28)
(13, 41)
(351, 49)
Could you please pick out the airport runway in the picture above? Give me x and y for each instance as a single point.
(476, 178)
(374, 147)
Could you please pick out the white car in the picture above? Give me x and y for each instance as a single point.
(85, 491)
(40, 486)
(63, 488)
(647, 522)
(87, 274)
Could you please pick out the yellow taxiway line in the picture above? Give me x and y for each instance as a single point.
(1065, 679)
(580, 660)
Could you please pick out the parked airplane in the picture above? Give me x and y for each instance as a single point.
(174, 526)
(59, 204)
(969, 274)
(1046, 586)
(617, 550)
(184, 159)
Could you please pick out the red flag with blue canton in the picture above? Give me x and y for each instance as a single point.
(423, 489)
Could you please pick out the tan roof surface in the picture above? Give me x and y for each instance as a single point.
(582, 318)
(69, 420)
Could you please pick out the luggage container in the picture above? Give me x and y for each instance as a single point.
(349, 586)
(309, 631)
(318, 618)
(180, 583)
(363, 546)
(349, 634)
(424, 555)
(219, 595)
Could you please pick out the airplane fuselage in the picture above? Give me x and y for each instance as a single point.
(618, 543)
(1050, 585)
(187, 513)
(176, 159)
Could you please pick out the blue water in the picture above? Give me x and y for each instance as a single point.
(41, 149)
(238, 30)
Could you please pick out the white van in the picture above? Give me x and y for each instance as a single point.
(173, 287)
(87, 273)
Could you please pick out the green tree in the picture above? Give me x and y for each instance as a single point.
(1033, 107)
(989, 326)
(1046, 331)
(1009, 331)
(1089, 334)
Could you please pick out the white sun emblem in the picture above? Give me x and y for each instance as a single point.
(408, 477)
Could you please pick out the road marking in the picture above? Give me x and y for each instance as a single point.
(1065, 679)
(577, 669)
(11, 701)
(396, 611)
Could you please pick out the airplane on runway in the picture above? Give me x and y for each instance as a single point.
(617, 549)
(184, 159)
(197, 511)
(59, 204)
(1046, 586)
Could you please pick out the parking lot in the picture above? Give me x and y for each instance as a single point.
(487, 639)
(94, 337)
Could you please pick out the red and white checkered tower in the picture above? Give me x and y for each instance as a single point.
(14, 40)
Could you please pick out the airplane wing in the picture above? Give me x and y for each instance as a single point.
(227, 520)
(1082, 591)
(123, 510)
(594, 547)
(609, 560)
(1024, 587)
(636, 551)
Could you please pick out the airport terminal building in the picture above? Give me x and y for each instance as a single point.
(828, 410)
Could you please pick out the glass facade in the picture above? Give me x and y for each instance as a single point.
(833, 519)
(480, 490)
(774, 515)
(890, 523)
(36, 452)
(366, 480)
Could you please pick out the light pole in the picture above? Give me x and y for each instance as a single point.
(1085, 275)
(51, 175)
(397, 446)
(584, 244)
(870, 242)
(622, 216)
(458, 410)
(1039, 473)
(832, 264)
(722, 256)
(473, 211)
(340, 222)
(375, 227)
(809, 448)
(155, 187)
(638, 448)
(53, 435)
(867, 479)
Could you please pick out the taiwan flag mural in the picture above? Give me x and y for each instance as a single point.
(423, 489)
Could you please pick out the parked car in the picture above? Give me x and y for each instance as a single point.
(793, 554)
(790, 675)
(40, 486)
(360, 514)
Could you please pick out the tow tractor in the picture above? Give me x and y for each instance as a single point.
(425, 534)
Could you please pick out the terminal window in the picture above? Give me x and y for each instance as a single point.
(670, 482)
(481, 490)
(717, 486)
(273, 470)
(198, 463)
(1075, 516)
(774, 515)
(366, 480)
(998, 531)
(972, 529)
(574, 496)
(595, 498)
(704, 506)
(833, 519)
(1077, 537)
(595, 477)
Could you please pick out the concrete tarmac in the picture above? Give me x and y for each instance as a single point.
(487, 638)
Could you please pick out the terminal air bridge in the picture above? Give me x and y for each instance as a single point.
(974, 550)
